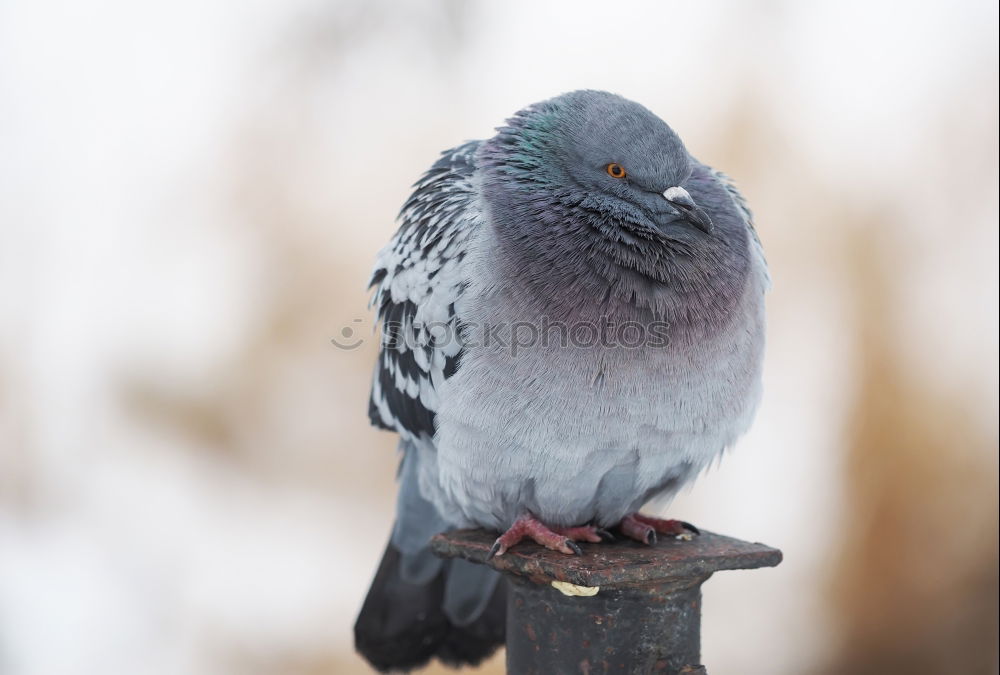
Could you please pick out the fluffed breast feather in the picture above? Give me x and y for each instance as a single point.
(417, 279)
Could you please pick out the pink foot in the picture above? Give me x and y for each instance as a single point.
(591, 533)
(644, 528)
(562, 539)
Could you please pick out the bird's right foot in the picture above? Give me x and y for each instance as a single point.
(561, 539)
(644, 528)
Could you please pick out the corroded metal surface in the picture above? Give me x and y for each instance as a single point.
(622, 562)
(625, 629)
(621, 607)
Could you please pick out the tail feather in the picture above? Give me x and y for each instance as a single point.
(400, 624)
(419, 606)
(476, 641)
(468, 590)
(404, 624)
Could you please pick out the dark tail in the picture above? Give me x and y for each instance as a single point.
(420, 607)
(418, 610)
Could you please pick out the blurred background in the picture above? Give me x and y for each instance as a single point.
(191, 197)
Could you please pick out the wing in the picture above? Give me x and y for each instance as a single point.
(744, 209)
(417, 279)
(738, 199)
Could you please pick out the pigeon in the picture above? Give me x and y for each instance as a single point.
(572, 325)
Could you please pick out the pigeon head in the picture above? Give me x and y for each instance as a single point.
(599, 158)
(592, 192)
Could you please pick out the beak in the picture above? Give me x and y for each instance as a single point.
(679, 198)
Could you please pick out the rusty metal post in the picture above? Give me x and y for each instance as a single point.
(621, 607)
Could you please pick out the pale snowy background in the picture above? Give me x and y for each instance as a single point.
(191, 195)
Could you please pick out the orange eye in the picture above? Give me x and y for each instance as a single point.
(616, 170)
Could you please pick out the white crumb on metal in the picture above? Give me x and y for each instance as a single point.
(567, 588)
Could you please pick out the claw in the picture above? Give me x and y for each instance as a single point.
(604, 534)
(573, 546)
(496, 549)
(689, 527)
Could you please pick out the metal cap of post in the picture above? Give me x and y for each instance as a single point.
(621, 607)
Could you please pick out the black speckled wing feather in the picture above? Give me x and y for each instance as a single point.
(417, 279)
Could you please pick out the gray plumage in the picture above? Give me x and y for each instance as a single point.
(529, 229)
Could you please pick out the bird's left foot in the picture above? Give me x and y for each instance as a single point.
(562, 539)
(645, 528)
(591, 533)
